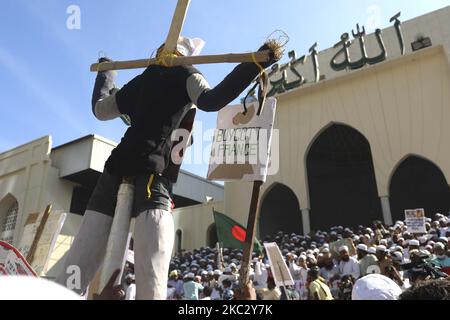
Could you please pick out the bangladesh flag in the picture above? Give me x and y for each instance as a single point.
(231, 234)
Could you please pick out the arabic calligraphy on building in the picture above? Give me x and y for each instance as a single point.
(343, 55)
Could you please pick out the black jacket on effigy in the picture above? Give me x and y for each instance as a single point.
(156, 102)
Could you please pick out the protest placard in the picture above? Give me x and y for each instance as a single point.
(12, 262)
(242, 142)
(415, 220)
(47, 240)
(280, 270)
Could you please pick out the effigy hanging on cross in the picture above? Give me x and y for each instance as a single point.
(121, 161)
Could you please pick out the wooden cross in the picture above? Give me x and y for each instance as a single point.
(171, 45)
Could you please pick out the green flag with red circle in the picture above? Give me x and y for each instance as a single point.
(231, 234)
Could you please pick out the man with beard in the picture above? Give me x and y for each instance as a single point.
(348, 265)
(386, 266)
(299, 271)
(330, 272)
(365, 259)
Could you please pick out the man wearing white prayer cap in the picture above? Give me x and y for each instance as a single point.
(156, 104)
(365, 259)
(348, 265)
(375, 287)
(413, 244)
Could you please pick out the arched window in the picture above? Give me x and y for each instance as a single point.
(9, 223)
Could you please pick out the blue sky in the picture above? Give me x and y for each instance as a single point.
(45, 81)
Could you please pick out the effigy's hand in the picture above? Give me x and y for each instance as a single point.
(111, 292)
(275, 53)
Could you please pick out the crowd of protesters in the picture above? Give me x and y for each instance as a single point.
(325, 265)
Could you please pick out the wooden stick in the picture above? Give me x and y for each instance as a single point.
(37, 237)
(177, 25)
(251, 230)
(260, 56)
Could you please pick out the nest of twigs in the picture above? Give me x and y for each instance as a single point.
(276, 47)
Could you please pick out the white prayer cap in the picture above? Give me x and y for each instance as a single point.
(444, 239)
(232, 265)
(381, 248)
(383, 242)
(227, 270)
(326, 245)
(413, 243)
(371, 250)
(190, 47)
(190, 275)
(423, 239)
(439, 245)
(362, 247)
(33, 288)
(316, 250)
(375, 287)
(343, 248)
(326, 250)
(397, 256)
(217, 272)
(204, 272)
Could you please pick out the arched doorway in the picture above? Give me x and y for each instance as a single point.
(211, 236)
(341, 179)
(280, 211)
(418, 183)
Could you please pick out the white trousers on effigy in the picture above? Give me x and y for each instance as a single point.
(153, 243)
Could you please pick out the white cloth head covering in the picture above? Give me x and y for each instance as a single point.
(414, 243)
(343, 248)
(371, 250)
(32, 288)
(362, 247)
(439, 245)
(375, 287)
(190, 47)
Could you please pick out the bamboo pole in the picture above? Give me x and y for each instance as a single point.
(177, 25)
(37, 237)
(250, 236)
(260, 56)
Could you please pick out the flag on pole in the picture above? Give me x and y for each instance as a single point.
(231, 234)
